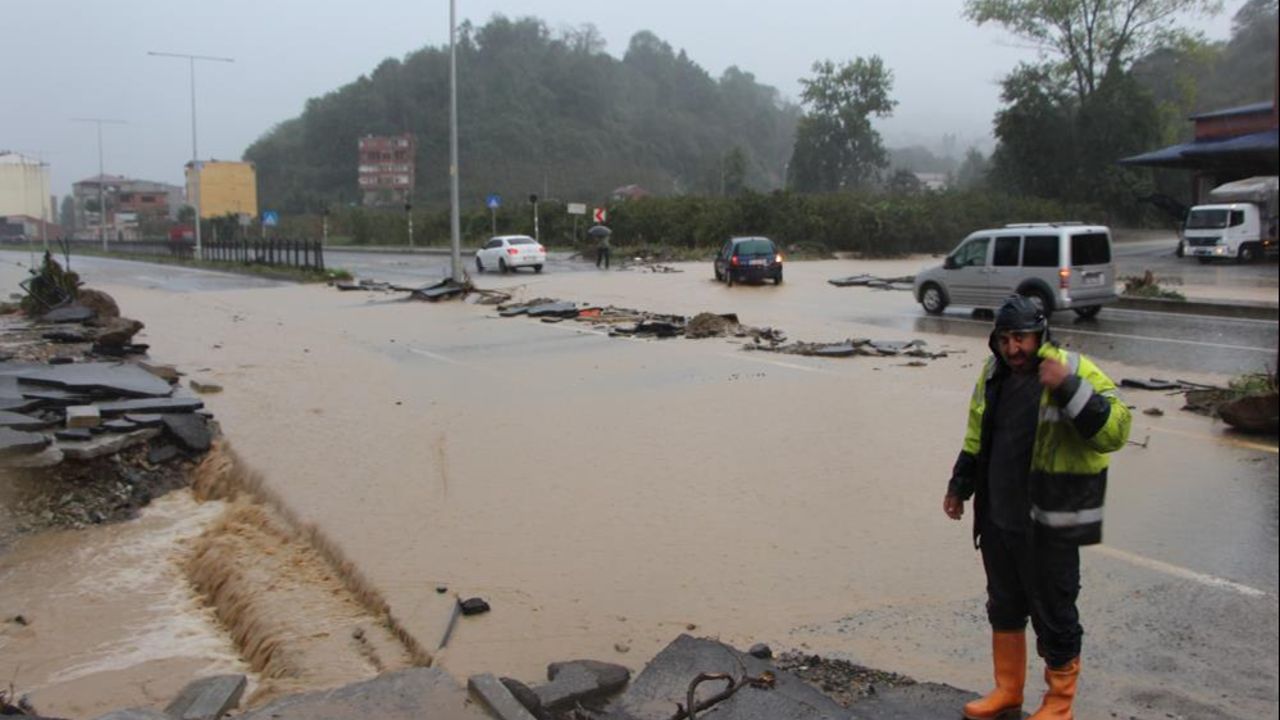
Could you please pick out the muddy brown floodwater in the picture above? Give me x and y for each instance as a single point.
(605, 495)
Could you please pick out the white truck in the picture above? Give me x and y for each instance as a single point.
(1239, 224)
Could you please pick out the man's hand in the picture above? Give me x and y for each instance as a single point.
(1053, 373)
(953, 507)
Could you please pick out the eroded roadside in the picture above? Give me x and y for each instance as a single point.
(137, 553)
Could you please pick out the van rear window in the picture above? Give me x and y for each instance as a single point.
(1090, 249)
(1040, 251)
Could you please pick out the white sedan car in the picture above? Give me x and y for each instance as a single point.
(505, 253)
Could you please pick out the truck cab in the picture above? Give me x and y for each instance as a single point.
(1241, 226)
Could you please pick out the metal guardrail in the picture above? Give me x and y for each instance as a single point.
(275, 252)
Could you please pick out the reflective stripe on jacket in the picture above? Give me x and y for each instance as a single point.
(1080, 422)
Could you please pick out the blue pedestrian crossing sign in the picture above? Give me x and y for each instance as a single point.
(270, 218)
(493, 202)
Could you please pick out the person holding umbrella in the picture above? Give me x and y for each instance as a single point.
(601, 235)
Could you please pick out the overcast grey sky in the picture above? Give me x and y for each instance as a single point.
(63, 59)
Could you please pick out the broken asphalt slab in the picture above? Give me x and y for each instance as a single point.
(110, 378)
(18, 442)
(410, 694)
(446, 288)
(73, 313)
(664, 684)
(207, 698)
(580, 681)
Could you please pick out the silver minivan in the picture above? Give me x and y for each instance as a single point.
(1059, 266)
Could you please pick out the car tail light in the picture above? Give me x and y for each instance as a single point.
(778, 258)
(541, 249)
(1064, 278)
(734, 261)
(512, 251)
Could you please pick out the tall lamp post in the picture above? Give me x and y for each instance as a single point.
(195, 153)
(102, 179)
(455, 223)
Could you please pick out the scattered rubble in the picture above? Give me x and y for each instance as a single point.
(86, 440)
(864, 280)
(855, 347)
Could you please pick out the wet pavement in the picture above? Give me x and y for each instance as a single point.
(605, 494)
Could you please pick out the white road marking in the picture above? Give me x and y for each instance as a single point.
(1176, 571)
(434, 356)
(1123, 336)
(1224, 439)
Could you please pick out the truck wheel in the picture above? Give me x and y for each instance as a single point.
(1088, 312)
(479, 265)
(1248, 253)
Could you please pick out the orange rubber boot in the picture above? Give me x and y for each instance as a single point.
(1062, 691)
(1009, 654)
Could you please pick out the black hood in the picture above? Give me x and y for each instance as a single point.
(1019, 314)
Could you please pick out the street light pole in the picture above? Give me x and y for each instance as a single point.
(102, 179)
(455, 223)
(195, 153)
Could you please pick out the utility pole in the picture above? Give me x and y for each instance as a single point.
(455, 220)
(195, 154)
(408, 212)
(102, 179)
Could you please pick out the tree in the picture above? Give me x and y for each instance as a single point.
(972, 174)
(836, 148)
(67, 213)
(1090, 40)
(186, 214)
(735, 171)
(904, 182)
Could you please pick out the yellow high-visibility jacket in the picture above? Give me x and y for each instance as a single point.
(1080, 423)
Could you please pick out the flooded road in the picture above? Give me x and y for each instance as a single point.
(606, 494)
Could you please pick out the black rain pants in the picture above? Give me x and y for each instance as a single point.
(1030, 577)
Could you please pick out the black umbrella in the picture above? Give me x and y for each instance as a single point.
(599, 231)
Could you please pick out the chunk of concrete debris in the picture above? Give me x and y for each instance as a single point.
(102, 304)
(119, 331)
(444, 289)
(74, 435)
(204, 386)
(18, 442)
(83, 416)
(473, 606)
(760, 650)
(167, 373)
(119, 425)
(207, 698)
(144, 419)
(526, 697)
(411, 694)
(495, 696)
(580, 681)
(72, 313)
(105, 377)
(664, 682)
(151, 405)
(191, 431)
(705, 325)
(19, 421)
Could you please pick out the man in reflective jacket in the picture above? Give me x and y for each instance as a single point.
(1041, 422)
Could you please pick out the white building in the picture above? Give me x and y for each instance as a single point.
(24, 187)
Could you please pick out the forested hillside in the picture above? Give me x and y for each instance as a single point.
(539, 112)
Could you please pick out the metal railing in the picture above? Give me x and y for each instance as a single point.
(275, 252)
